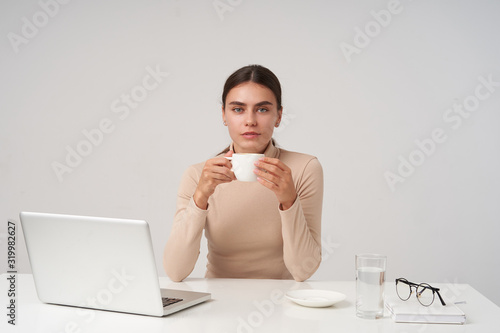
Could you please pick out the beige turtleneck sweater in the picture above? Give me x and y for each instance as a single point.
(248, 235)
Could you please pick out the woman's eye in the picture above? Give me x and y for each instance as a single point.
(262, 110)
(238, 110)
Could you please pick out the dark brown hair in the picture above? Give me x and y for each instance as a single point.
(252, 73)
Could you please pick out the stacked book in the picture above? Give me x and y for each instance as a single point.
(411, 311)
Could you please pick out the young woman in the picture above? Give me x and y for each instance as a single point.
(266, 229)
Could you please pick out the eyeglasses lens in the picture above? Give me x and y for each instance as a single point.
(425, 294)
(403, 290)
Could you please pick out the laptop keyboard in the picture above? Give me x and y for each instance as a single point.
(169, 301)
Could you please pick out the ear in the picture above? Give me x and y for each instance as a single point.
(223, 115)
(280, 114)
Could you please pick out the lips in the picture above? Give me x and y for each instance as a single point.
(250, 135)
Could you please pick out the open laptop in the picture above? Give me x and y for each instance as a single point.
(99, 263)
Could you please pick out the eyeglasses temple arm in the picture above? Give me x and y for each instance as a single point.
(440, 298)
(411, 284)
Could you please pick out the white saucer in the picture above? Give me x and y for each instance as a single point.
(315, 298)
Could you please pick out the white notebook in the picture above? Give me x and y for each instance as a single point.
(411, 311)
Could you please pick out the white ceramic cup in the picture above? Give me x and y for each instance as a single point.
(243, 166)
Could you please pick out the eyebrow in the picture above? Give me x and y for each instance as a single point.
(258, 104)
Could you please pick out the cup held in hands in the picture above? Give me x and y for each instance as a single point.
(243, 166)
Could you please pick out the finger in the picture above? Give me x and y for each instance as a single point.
(215, 179)
(269, 177)
(270, 169)
(222, 172)
(209, 176)
(226, 169)
(221, 161)
(217, 172)
(267, 183)
(271, 160)
(268, 161)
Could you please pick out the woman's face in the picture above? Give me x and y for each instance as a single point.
(251, 113)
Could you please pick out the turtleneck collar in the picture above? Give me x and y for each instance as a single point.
(271, 150)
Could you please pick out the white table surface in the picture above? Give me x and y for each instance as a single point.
(240, 305)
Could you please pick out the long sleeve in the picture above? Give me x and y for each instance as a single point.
(301, 224)
(183, 245)
(248, 236)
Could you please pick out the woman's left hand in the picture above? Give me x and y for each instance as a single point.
(275, 175)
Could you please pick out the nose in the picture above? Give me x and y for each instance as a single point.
(251, 119)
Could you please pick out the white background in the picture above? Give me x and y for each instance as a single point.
(359, 114)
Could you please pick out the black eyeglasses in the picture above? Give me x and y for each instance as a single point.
(424, 292)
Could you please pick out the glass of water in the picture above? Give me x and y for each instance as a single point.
(370, 278)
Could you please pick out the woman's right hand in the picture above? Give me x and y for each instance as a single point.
(216, 171)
